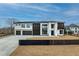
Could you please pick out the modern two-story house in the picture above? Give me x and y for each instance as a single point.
(41, 28)
(72, 28)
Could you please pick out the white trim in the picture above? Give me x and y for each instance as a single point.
(49, 29)
(41, 28)
(56, 25)
(21, 32)
(32, 28)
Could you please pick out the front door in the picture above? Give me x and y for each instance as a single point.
(52, 32)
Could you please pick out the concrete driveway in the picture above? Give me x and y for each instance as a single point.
(9, 44)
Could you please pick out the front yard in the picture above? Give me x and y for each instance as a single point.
(48, 50)
(65, 37)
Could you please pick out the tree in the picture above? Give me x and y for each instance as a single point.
(10, 22)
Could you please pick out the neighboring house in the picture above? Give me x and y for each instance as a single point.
(47, 28)
(72, 28)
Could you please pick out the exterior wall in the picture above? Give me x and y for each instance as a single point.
(19, 27)
(36, 29)
(74, 30)
(49, 29)
(55, 29)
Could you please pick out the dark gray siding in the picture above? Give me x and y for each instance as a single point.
(36, 28)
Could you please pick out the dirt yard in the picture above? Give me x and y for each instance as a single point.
(50, 50)
(65, 37)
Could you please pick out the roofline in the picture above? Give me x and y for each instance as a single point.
(72, 26)
(38, 22)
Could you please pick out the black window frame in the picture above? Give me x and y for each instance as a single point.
(52, 26)
(19, 32)
(23, 25)
(61, 31)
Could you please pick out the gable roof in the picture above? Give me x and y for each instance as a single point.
(72, 25)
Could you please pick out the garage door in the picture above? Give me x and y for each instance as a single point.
(18, 32)
(27, 32)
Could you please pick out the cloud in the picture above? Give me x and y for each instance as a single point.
(41, 7)
(71, 12)
(16, 6)
(39, 11)
(29, 10)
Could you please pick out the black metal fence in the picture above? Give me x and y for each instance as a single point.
(48, 42)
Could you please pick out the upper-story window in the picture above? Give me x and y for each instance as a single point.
(23, 25)
(60, 25)
(52, 25)
(44, 25)
(28, 25)
(75, 28)
(17, 24)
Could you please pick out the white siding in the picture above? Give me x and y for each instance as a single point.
(49, 29)
(20, 27)
(73, 29)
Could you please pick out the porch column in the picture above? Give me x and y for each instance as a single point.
(14, 32)
(40, 28)
(49, 29)
(56, 32)
(21, 32)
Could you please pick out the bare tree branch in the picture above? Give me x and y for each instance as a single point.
(10, 22)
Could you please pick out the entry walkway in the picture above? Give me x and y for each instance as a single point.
(9, 44)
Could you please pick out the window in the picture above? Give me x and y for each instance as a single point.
(18, 32)
(28, 25)
(60, 25)
(61, 31)
(44, 29)
(23, 25)
(75, 28)
(52, 25)
(44, 24)
(75, 31)
(17, 24)
(27, 32)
